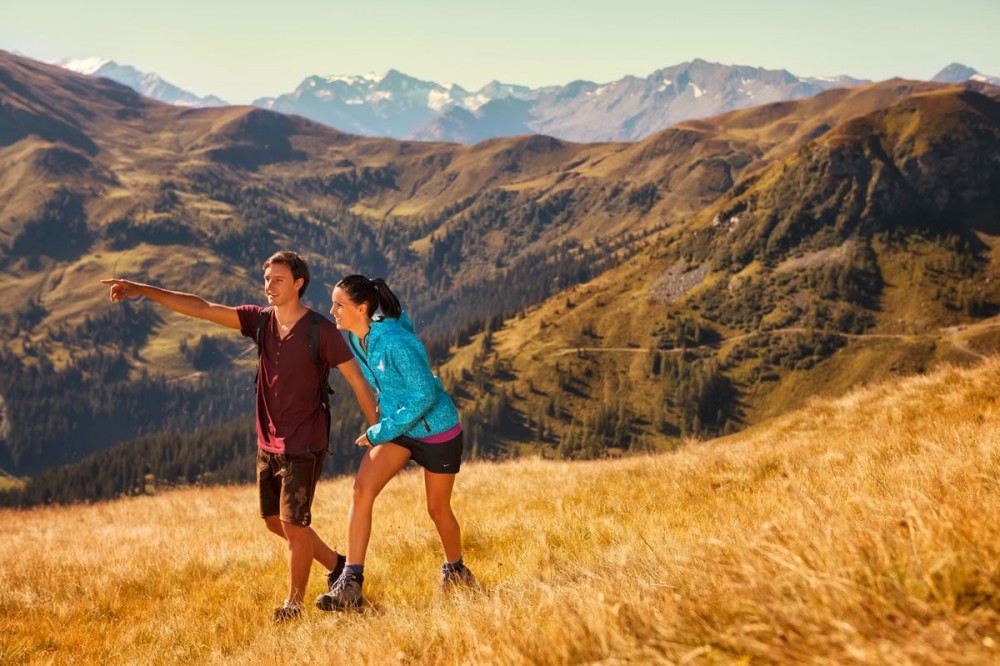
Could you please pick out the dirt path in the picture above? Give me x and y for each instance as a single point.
(953, 334)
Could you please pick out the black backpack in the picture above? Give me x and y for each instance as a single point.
(316, 320)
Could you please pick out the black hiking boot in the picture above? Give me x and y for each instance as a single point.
(287, 611)
(457, 577)
(344, 594)
(333, 574)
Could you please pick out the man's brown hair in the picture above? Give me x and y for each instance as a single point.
(294, 262)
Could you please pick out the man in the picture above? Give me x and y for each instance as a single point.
(292, 426)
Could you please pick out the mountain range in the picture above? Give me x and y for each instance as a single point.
(959, 73)
(396, 105)
(579, 298)
(150, 85)
(629, 109)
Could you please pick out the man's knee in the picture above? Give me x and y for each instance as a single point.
(294, 532)
(273, 524)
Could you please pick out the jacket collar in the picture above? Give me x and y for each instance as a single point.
(381, 326)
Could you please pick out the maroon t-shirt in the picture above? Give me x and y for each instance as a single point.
(290, 416)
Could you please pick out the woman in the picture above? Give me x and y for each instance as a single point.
(417, 420)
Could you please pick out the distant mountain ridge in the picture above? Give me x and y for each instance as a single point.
(629, 109)
(150, 85)
(396, 105)
(388, 104)
(633, 108)
(725, 257)
(959, 73)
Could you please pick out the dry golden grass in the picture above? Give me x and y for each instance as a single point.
(7, 481)
(861, 530)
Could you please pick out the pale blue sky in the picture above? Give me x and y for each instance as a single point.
(243, 49)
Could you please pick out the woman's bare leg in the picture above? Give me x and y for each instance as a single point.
(380, 464)
(439, 487)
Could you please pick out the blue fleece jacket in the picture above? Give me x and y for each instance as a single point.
(411, 400)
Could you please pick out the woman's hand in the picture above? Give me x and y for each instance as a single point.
(363, 441)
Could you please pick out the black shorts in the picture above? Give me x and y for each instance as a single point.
(286, 484)
(443, 458)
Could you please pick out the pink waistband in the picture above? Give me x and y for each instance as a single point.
(447, 435)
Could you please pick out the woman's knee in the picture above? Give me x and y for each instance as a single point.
(364, 493)
(439, 511)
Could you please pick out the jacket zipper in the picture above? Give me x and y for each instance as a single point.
(364, 359)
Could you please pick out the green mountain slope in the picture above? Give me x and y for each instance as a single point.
(862, 254)
(96, 181)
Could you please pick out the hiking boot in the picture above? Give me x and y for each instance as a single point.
(344, 594)
(286, 612)
(457, 577)
(333, 574)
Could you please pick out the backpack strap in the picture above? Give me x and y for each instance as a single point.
(262, 318)
(324, 377)
(324, 373)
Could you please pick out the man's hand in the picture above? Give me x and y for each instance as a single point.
(363, 441)
(186, 304)
(122, 289)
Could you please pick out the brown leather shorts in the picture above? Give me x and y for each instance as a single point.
(286, 484)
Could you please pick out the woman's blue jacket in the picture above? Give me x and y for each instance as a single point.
(411, 399)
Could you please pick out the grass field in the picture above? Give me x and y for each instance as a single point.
(861, 530)
(7, 481)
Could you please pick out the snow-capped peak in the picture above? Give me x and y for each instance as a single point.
(438, 100)
(148, 84)
(369, 78)
(339, 78)
(83, 65)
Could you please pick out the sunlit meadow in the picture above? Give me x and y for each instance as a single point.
(861, 530)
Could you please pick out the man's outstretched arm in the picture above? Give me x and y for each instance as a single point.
(187, 304)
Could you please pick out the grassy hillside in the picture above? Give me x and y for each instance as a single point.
(742, 252)
(858, 530)
(98, 180)
(862, 255)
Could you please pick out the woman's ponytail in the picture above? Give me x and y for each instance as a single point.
(373, 293)
(387, 301)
